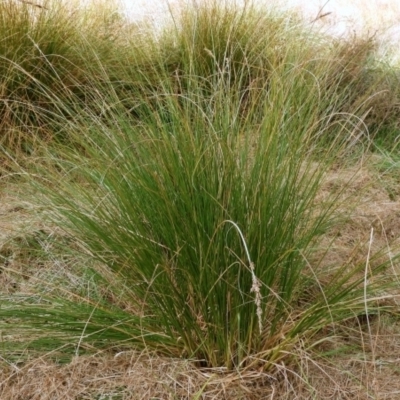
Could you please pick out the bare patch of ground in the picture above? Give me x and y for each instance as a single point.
(374, 223)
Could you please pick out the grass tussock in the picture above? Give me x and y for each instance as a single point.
(50, 55)
(186, 189)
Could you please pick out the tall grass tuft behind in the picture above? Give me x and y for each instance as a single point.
(196, 196)
(50, 58)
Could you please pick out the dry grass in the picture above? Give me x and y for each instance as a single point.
(367, 370)
(377, 210)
